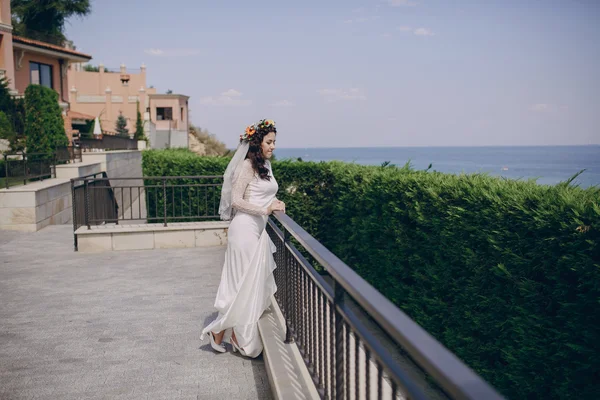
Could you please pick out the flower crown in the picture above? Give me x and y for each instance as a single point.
(251, 130)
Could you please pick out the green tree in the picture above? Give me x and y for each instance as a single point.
(12, 127)
(6, 100)
(139, 125)
(169, 91)
(45, 19)
(91, 68)
(6, 129)
(44, 125)
(121, 125)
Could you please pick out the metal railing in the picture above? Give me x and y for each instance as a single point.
(22, 167)
(108, 142)
(356, 343)
(94, 201)
(99, 200)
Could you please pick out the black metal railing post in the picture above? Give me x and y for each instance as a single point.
(53, 165)
(288, 297)
(25, 172)
(6, 170)
(74, 207)
(338, 299)
(86, 207)
(164, 185)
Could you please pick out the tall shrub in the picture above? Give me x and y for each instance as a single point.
(139, 125)
(44, 125)
(6, 129)
(505, 274)
(121, 125)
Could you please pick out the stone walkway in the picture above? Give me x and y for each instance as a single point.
(114, 325)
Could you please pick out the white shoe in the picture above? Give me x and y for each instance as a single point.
(216, 347)
(237, 348)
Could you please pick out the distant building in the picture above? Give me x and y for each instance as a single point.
(105, 93)
(25, 62)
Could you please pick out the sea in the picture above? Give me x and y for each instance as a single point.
(547, 165)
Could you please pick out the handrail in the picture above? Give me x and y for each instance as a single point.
(89, 177)
(178, 201)
(453, 375)
(44, 162)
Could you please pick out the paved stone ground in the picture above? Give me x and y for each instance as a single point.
(115, 325)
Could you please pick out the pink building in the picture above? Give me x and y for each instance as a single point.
(170, 120)
(7, 65)
(106, 93)
(27, 62)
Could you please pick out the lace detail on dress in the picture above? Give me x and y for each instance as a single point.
(241, 192)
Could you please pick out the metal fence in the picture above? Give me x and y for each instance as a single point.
(355, 343)
(22, 167)
(99, 200)
(108, 142)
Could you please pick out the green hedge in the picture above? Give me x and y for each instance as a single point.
(181, 201)
(505, 274)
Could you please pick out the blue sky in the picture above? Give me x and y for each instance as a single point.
(366, 73)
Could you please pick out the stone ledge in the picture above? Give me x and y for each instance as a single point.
(37, 186)
(288, 375)
(124, 227)
(151, 236)
(75, 170)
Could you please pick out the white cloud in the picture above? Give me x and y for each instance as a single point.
(423, 32)
(540, 107)
(401, 3)
(154, 52)
(548, 108)
(362, 19)
(416, 31)
(172, 52)
(283, 103)
(232, 93)
(331, 95)
(230, 97)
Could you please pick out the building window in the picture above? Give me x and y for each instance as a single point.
(181, 114)
(40, 74)
(164, 113)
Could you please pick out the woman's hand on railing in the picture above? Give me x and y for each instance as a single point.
(276, 205)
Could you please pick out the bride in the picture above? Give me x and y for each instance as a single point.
(247, 282)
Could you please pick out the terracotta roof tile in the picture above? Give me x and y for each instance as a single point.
(78, 115)
(50, 46)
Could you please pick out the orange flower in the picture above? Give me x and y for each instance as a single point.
(250, 131)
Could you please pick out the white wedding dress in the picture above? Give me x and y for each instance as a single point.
(247, 281)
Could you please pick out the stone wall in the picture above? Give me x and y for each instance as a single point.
(34, 206)
(38, 204)
(162, 139)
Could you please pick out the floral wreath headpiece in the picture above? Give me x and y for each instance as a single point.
(251, 130)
